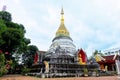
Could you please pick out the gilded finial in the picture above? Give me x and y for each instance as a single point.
(62, 12)
(62, 17)
(62, 31)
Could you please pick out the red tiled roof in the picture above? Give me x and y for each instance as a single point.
(108, 59)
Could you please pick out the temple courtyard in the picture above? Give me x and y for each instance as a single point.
(20, 77)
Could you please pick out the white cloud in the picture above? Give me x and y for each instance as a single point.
(1, 4)
(16, 1)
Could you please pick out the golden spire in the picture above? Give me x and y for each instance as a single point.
(62, 16)
(62, 31)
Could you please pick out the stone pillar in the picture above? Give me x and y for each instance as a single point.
(113, 67)
(117, 66)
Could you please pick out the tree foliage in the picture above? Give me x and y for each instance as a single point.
(6, 16)
(12, 38)
(13, 41)
(2, 29)
(95, 53)
(28, 57)
(3, 69)
(12, 34)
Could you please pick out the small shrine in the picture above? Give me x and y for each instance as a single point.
(109, 62)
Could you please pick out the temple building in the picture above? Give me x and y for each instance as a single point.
(112, 51)
(62, 58)
(62, 51)
(110, 61)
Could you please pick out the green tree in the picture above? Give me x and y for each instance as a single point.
(28, 57)
(2, 29)
(6, 16)
(3, 69)
(12, 38)
(94, 53)
(24, 45)
(97, 52)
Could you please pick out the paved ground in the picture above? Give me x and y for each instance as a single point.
(19, 77)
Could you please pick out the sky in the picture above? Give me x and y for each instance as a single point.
(93, 24)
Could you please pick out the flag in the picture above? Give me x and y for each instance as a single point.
(82, 57)
(36, 58)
